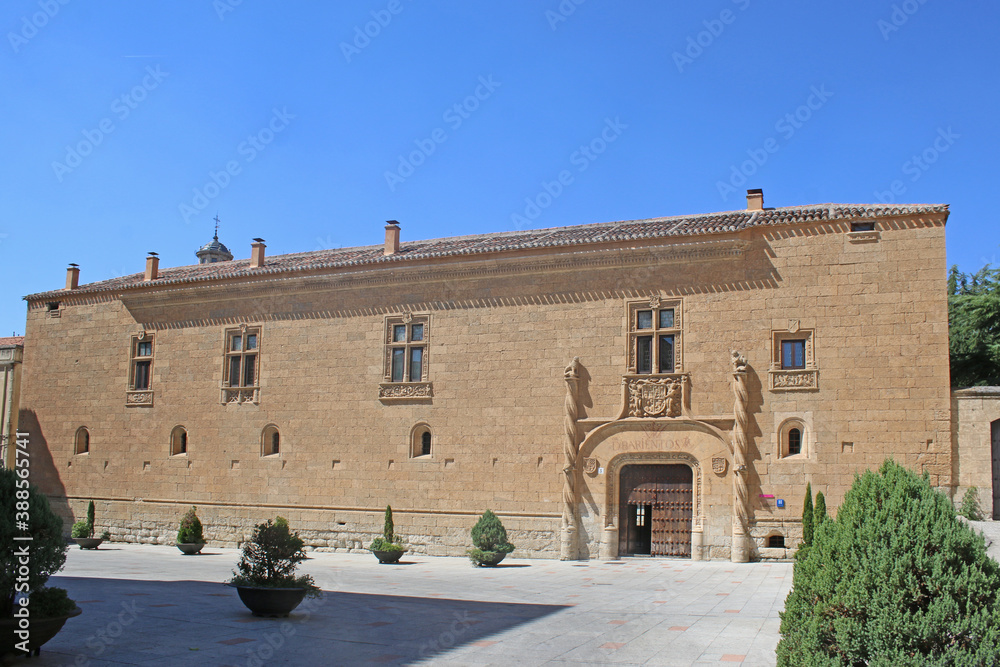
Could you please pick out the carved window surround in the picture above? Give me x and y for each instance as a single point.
(655, 303)
(138, 398)
(658, 395)
(402, 391)
(804, 378)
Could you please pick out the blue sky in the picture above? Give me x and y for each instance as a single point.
(126, 125)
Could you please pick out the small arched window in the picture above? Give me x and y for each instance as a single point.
(776, 542)
(794, 441)
(793, 438)
(178, 441)
(82, 441)
(270, 441)
(421, 440)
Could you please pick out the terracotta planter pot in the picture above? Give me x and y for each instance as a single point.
(42, 630)
(190, 548)
(88, 542)
(388, 557)
(270, 601)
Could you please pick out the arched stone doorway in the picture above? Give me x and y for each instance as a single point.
(656, 507)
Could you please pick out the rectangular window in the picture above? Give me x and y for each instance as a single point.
(406, 349)
(667, 354)
(655, 337)
(398, 363)
(793, 354)
(142, 363)
(644, 354)
(241, 359)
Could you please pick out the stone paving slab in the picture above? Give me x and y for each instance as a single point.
(150, 605)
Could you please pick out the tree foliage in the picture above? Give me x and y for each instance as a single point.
(47, 547)
(190, 531)
(895, 579)
(490, 539)
(807, 516)
(974, 327)
(269, 559)
(819, 512)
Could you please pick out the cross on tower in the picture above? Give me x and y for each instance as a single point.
(216, 226)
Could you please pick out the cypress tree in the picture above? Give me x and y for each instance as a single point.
(807, 517)
(388, 528)
(819, 512)
(91, 518)
(895, 579)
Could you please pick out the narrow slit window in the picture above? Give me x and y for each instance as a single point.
(425, 443)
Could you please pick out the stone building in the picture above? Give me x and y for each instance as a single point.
(11, 348)
(663, 386)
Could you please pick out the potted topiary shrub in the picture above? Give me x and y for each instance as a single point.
(265, 576)
(83, 531)
(490, 540)
(388, 548)
(190, 539)
(25, 599)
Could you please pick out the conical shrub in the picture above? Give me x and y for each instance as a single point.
(895, 579)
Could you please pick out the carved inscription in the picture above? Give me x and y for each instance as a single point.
(793, 379)
(405, 390)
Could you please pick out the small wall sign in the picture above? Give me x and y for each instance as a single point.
(780, 503)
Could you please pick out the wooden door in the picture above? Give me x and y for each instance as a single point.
(665, 494)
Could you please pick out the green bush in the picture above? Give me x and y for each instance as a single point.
(47, 546)
(490, 539)
(190, 531)
(970, 505)
(807, 517)
(895, 579)
(80, 529)
(269, 559)
(819, 511)
(50, 602)
(389, 540)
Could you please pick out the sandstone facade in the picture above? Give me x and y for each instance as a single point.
(515, 424)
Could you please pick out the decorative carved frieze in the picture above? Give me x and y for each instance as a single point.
(404, 390)
(791, 380)
(237, 395)
(655, 395)
(138, 398)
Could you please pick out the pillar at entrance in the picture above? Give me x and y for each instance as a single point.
(609, 543)
(740, 551)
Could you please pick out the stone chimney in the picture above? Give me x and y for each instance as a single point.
(73, 276)
(755, 200)
(257, 253)
(152, 267)
(391, 237)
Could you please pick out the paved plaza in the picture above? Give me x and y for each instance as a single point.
(150, 605)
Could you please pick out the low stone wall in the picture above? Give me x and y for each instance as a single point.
(147, 522)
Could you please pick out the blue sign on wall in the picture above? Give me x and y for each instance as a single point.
(781, 503)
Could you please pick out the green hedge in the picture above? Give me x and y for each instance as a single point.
(895, 579)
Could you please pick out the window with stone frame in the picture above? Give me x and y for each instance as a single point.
(654, 332)
(241, 368)
(140, 372)
(793, 359)
(406, 341)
